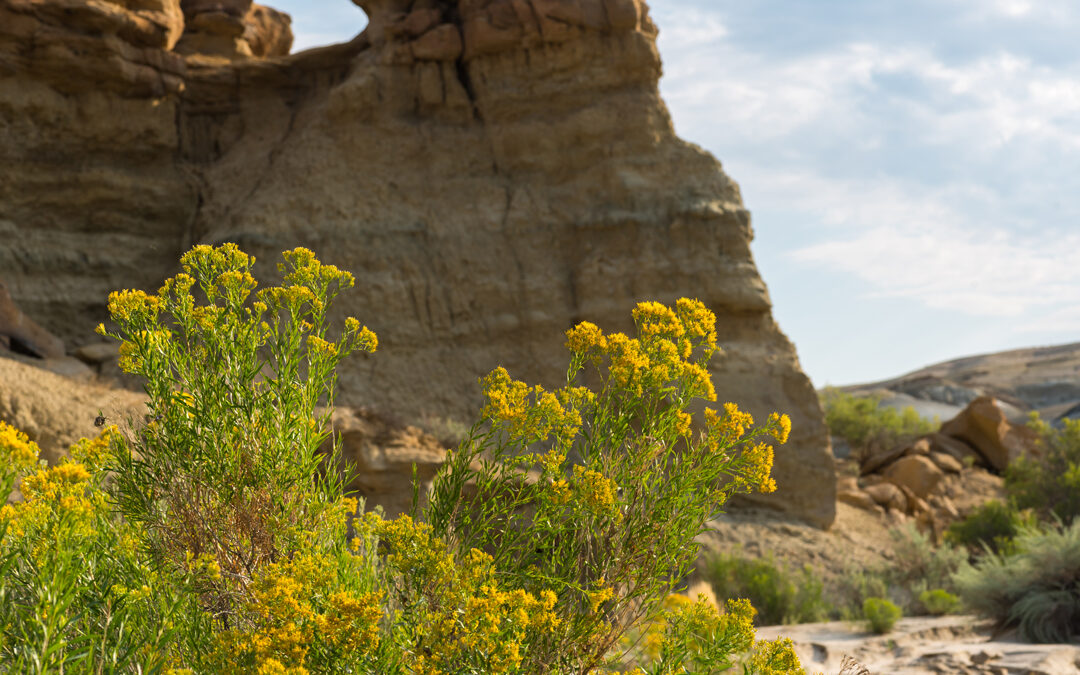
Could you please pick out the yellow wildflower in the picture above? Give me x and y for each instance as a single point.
(127, 307)
(682, 423)
(781, 427)
(598, 491)
(585, 338)
(655, 319)
(698, 321)
(599, 596)
(321, 347)
(759, 462)
(17, 448)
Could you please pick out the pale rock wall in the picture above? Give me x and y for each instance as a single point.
(493, 171)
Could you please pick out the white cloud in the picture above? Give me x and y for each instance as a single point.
(903, 243)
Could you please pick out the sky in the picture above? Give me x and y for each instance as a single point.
(912, 167)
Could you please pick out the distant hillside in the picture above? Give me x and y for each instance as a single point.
(1044, 379)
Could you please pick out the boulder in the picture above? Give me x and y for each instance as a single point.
(946, 463)
(921, 446)
(916, 473)
(857, 498)
(889, 496)
(883, 458)
(984, 425)
(955, 448)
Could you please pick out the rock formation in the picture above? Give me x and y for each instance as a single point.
(493, 171)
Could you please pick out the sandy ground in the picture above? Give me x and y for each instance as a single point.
(951, 644)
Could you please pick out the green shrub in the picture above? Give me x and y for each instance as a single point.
(868, 426)
(939, 601)
(1049, 482)
(993, 526)
(1036, 588)
(779, 595)
(211, 537)
(881, 614)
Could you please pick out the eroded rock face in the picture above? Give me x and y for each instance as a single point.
(493, 171)
(234, 29)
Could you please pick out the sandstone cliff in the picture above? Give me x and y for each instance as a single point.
(492, 170)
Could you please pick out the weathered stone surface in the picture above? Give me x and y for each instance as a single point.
(486, 197)
(98, 353)
(983, 424)
(267, 31)
(916, 473)
(234, 29)
(383, 454)
(27, 335)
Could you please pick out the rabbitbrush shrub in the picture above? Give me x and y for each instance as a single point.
(210, 538)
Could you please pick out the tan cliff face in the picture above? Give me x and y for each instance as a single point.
(493, 171)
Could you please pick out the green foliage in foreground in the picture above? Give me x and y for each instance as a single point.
(1049, 482)
(779, 595)
(210, 539)
(1036, 589)
(881, 614)
(869, 427)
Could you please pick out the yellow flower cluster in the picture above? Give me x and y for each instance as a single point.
(467, 617)
(654, 319)
(776, 657)
(531, 413)
(662, 352)
(52, 492)
(596, 490)
(94, 453)
(781, 427)
(292, 611)
(133, 307)
(302, 268)
(732, 426)
(133, 352)
(364, 338)
(237, 284)
(19, 452)
(759, 463)
(204, 259)
(599, 596)
(321, 347)
(586, 339)
(290, 297)
(697, 320)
